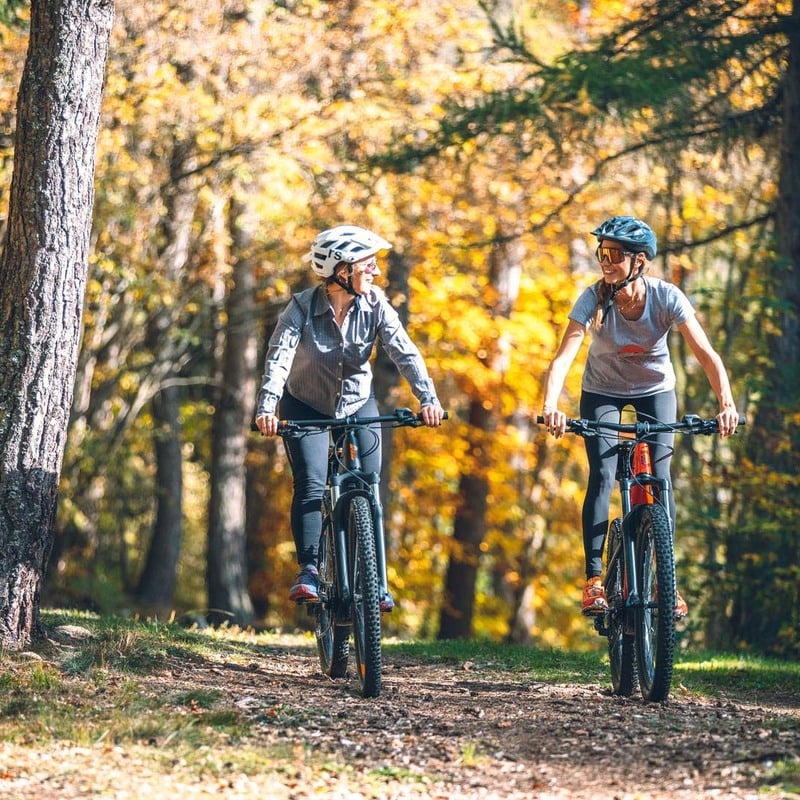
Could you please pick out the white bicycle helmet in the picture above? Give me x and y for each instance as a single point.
(344, 244)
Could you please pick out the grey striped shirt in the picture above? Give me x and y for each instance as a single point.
(327, 367)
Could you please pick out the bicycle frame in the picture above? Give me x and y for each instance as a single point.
(346, 480)
(628, 479)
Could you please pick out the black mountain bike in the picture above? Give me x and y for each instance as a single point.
(639, 569)
(352, 550)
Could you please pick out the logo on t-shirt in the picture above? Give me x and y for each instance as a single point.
(631, 350)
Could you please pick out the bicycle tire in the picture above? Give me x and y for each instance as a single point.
(620, 641)
(333, 638)
(366, 611)
(655, 617)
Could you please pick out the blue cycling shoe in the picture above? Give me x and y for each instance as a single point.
(306, 589)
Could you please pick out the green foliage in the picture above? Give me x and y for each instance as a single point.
(11, 13)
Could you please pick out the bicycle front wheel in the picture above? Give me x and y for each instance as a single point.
(620, 641)
(655, 617)
(366, 596)
(333, 638)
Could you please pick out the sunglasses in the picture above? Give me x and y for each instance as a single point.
(615, 255)
(369, 267)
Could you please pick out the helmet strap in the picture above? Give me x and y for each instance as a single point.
(617, 288)
(348, 287)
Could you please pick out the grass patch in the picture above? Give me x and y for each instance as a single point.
(556, 666)
(718, 674)
(785, 775)
(703, 673)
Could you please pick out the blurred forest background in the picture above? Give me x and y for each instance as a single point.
(485, 141)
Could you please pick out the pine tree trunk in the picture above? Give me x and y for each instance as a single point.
(42, 280)
(764, 556)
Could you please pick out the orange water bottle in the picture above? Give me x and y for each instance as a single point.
(641, 464)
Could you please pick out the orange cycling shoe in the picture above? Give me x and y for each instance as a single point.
(681, 609)
(594, 597)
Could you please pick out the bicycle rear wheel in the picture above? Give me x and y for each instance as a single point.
(655, 617)
(366, 596)
(620, 643)
(333, 638)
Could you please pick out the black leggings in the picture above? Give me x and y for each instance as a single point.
(308, 456)
(602, 454)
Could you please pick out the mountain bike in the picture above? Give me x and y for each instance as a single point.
(352, 550)
(639, 563)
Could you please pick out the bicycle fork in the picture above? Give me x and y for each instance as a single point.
(377, 526)
(340, 498)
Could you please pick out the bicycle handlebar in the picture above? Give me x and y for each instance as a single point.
(691, 424)
(401, 417)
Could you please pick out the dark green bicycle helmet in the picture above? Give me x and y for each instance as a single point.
(630, 232)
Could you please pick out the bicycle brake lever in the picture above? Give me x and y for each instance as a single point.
(581, 427)
(407, 416)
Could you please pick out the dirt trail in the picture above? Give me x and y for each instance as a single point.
(472, 732)
(438, 731)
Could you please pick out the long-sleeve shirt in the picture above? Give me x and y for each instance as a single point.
(328, 367)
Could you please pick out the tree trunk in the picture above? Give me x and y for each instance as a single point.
(157, 582)
(228, 597)
(43, 272)
(764, 553)
(469, 527)
(469, 530)
(156, 588)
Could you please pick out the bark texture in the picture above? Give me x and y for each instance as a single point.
(43, 272)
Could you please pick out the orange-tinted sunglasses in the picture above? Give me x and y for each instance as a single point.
(616, 255)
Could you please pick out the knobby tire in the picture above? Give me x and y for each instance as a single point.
(620, 642)
(366, 597)
(333, 637)
(655, 618)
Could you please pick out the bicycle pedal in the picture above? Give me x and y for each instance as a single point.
(600, 625)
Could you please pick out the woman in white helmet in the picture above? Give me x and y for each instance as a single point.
(318, 365)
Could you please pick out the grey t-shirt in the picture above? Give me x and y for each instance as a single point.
(630, 358)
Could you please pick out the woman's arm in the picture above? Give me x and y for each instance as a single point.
(728, 417)
(277, 365)
(556, 376)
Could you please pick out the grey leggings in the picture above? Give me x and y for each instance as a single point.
(602, 454)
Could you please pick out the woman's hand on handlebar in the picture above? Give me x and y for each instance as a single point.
(432, 415)
(555, 421)
(267, 424)
(727, 420)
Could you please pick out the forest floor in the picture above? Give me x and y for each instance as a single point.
(439, 730)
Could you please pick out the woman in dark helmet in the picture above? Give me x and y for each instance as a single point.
(317, 365)
(628, 364)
